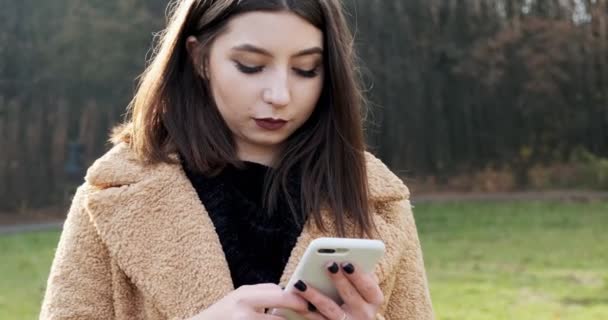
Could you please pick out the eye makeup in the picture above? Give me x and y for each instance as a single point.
(253, 69)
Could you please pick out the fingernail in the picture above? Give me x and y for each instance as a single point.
(333, 268)
(349, 268)
(311, 307)
(300, 285)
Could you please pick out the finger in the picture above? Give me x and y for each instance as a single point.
(258, 316)
(313, 313)
(349, 294)
(365, 283)
(309, 315)
(375, 277)
(261, 286)
(314, 316)
(260, 297)
(325, 305)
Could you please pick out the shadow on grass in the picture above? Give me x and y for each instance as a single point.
(585, 302)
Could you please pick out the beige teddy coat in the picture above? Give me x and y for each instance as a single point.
(138, 244)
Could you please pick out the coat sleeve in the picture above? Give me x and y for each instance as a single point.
(80, 281)
(410, 298)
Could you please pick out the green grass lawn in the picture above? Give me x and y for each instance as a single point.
(26, 259)
(516, 261)
(485, 261)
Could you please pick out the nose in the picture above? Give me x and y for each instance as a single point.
(277, 93)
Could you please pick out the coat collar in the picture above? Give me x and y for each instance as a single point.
(160, 235)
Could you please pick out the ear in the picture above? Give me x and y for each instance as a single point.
(193, 46)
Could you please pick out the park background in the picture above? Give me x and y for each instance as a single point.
(494, 112)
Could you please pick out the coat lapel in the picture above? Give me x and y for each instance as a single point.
(160, 235)
(158, 232)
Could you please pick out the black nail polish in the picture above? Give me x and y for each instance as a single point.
(311, 307)
(333, 268)
(300, 285)
(349, 268)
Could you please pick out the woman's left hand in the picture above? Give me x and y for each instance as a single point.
(359, 290)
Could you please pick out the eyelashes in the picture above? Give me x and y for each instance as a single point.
(248, 70)
(253, 70)
(307, 73)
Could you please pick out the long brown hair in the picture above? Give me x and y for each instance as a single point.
(173, 111)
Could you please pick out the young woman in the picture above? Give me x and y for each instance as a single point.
(244, 144)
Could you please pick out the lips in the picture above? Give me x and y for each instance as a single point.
(270, 124)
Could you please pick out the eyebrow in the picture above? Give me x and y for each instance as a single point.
(254, 49)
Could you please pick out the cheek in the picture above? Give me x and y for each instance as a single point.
(309, 93)
(232, 92)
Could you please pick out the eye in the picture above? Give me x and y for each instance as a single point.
(247, 69)
(307, 73)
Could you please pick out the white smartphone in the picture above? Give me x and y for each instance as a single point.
(312, 269)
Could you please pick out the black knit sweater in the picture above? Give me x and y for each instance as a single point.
(257, 245)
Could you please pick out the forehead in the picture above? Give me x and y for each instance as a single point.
(274, 31)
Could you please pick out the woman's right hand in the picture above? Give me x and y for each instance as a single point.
(251, 302)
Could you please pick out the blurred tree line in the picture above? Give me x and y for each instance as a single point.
(455, 85)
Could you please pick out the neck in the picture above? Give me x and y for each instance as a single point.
(257, 154)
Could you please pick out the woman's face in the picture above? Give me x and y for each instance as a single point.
(266, 75)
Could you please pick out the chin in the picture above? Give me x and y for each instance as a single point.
(267, 141)
(267, 137)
